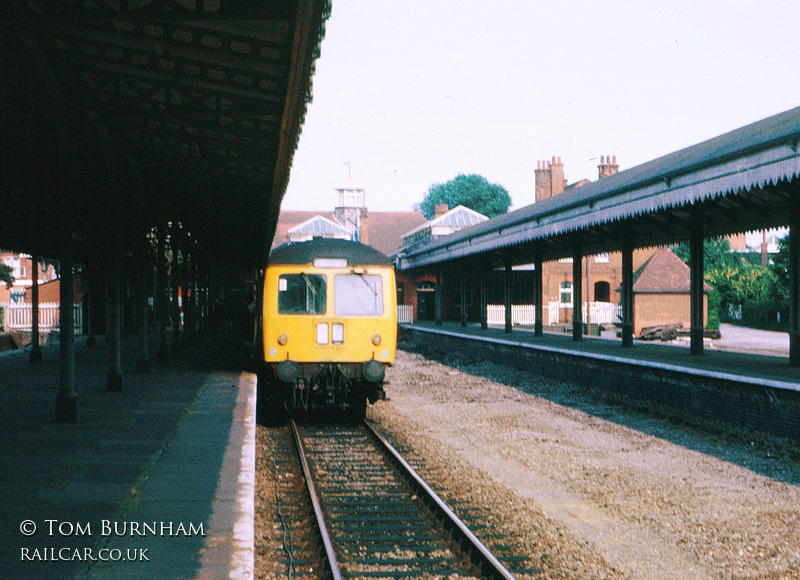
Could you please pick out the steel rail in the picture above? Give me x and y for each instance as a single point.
(312, 491)
(486, 561)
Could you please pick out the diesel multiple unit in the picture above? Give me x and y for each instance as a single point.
(328, 327)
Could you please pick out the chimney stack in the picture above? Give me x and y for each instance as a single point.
(440, 209)
(608, 166)
(549, 178)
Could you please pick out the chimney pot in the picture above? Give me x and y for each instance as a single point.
(615, 160)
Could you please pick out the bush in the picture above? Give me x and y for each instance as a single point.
(765, 315)
(714, 300)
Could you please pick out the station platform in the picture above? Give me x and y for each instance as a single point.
(156, 481)
(753, 368)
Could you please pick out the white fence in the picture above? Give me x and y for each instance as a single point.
(405, 314)
(520, 314)
(553, 312)
(600, 313)
(603, 313)
(20, 316)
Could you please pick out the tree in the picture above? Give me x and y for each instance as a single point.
(5, 275)
(472, 191)
(716, 254)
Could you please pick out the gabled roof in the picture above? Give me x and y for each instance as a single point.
(458, 217)
(385, 228)
(321, 226)
(664, 273)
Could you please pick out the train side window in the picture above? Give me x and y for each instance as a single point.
(358, 295)
(302, 294)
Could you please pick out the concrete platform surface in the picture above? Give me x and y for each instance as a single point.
(764, 362)
(154, 482)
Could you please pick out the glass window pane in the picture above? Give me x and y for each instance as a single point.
(358, 295)
(301, 294)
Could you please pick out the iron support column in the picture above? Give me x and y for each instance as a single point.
(464, 298)
(507, 294)
(114, 317)
(794, 284)
(143, 275)
(36, 349)
(627, 291)
(67, 398)
(88, 306)
(577, 290)
(697, 329)
(538, 325)
(484, 298)
(161, 294)
(176, 282)
(438, 297)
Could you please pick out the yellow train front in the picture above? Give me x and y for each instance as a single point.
(328, 327)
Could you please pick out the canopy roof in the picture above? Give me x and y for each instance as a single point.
(118, 115)
(743, 180)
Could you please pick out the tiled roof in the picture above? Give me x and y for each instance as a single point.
(385, 228)
(664, 273)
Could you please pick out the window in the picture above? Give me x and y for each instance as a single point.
(301, 294)
(565, 294)
(358, 295)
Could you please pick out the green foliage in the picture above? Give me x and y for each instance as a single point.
(716, 253)
(712, 322)
(743, 283)
(780, 261)
(472, 191)
(5, 275)
(740, 279)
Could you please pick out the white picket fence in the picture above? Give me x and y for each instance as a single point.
(525, 314)
(405, 314)
(20, 316)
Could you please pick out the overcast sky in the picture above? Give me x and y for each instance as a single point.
(414, 92)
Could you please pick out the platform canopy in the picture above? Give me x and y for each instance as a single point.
(741, 181)
(120, 115)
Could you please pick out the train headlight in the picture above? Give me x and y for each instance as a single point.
(373, 371)
(288, 371)
(322, 333)
(337, 333)
(283, 339)
(376, 339)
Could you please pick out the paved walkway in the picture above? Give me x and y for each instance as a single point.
(153, 482)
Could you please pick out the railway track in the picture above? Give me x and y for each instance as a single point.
(377, 518)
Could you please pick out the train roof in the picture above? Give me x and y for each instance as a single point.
(305, 252)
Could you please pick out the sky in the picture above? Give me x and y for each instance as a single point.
(411, 93)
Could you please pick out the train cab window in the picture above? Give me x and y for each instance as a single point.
(302, 294)
(358, 295)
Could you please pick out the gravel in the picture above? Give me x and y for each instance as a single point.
(588, 487)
